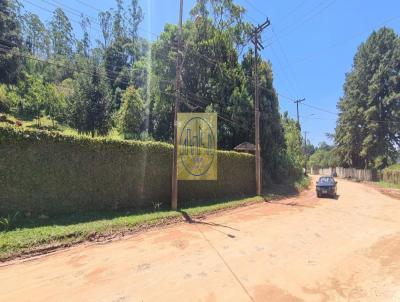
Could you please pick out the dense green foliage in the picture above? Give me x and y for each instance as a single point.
(323, 157)
(391, 174)
(394, 167)
(291, 161)
(10, 42)
(53, 173)
(131, 114)
(368, 129)
(125, 85)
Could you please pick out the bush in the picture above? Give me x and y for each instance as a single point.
(51, 173)
(391, 174)
(5, 103)
(131, 114)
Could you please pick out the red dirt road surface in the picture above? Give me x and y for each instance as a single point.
(298, 249)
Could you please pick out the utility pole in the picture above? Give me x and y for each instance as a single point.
(298, 116)
(174, 191)
(257, 46)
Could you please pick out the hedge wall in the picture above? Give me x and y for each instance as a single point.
(391, 175)
(51, 173)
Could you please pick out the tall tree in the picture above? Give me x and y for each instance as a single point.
(35, 35)
(61, 32)
(131, 114)
(10, 42)
(83, 45)
(292, 160)
(91, 102)
(106, 28)
(368, 132)
(271, 130)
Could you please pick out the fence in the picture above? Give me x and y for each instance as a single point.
(359, 174)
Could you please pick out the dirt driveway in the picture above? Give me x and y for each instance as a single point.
(302, 249)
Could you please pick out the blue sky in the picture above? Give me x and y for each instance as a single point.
(310, 43)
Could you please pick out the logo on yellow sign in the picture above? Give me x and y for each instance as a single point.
(197, 146)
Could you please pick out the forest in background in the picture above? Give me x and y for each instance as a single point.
(123, 85)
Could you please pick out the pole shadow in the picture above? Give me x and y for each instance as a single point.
(211, 225)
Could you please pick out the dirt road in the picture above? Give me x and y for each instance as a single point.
(302, 249)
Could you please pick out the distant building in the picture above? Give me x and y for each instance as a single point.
(245, 147)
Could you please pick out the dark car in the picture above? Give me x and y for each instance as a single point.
(326, 185)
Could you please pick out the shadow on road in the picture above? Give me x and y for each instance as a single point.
(291, 204)
(211, 225)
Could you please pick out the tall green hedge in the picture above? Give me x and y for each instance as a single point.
(51, 173)
(391, 174)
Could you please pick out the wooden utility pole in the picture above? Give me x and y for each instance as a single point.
(257, 46)
(298, 116)
(174, 191)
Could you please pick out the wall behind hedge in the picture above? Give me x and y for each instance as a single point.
(51, 173)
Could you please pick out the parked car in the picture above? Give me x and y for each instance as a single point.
(326, 185)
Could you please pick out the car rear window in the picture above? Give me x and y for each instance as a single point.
(326, 180)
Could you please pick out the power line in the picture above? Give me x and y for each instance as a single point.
(195, 52)
(169, 82)
(58, 64)
(194, 98)
(320, 109)
(296, 25)
(72, 11)
(293, 10)
(78, 22)
(88, 5)
(297, 102)
(285, 57)
(50, 11)
(281, 18)
(283, 71)
(5, 48)
(338, 44)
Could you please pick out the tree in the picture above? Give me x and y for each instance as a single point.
(83, 45)
(293, 158)
(10, 42)
(367, 131)
(123, 48)
(106, 28)
(212, 77)
(131, 114)
(55, 103)
(61, 34)
(33, 97)
(272, 137)
(5, 104)
(324, 157)
(35, 35)
(91, 102)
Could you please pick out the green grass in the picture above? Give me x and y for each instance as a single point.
(33, 234)
(30, 235)
(387, 185)
(47, 124)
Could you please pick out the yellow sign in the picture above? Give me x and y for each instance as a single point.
(197, 146)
